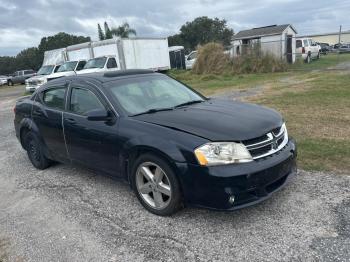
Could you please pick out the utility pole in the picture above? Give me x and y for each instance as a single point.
(339, 35)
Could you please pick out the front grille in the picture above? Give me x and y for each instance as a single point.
(267, 144)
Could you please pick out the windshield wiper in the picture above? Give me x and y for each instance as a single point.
(154, 110)
(189, 103)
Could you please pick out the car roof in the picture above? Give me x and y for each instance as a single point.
(109, 76)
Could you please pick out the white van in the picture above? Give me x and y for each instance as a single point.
(99, 64)
(191, 59)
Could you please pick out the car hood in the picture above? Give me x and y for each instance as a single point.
(61, 74)
(38, 77)
(219, 120)
(90, 70)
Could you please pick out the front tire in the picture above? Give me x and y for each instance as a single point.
(156, 185)
(308, 59)
(35, 152)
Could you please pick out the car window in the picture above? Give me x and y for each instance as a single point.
(298, 43)
(81, 65)
(141, 94)
(54, 97)
(83, 100)
(306, 43)
(192, 56)
(111, 63)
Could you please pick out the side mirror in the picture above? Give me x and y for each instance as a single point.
(98, 115)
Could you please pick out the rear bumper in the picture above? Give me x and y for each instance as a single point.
(249, 183)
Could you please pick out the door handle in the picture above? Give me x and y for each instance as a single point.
(37, 112)
(70, 121)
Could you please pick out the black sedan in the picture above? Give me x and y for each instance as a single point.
(174, 146)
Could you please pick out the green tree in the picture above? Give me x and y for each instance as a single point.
(32, 58)
(123, 31)
(101, 34)
(203, 30)
(108, 33)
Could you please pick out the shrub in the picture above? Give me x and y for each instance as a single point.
(211, 60)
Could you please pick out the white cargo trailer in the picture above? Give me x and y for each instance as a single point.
(79, 52)
(55, 57)
(129, 53)
(135, 53)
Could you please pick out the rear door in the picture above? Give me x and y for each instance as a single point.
(91, 143)
(47, 114)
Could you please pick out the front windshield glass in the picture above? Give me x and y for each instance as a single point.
(68, 66)
(96, 63)
(46, 70)
(141, 94)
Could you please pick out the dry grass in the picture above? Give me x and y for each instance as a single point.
(211, 59)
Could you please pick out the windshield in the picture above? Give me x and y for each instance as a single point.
(96, 63)
(46, 70)
(147, 93)
(68, 66)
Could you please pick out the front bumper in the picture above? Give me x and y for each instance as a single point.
(249, 183)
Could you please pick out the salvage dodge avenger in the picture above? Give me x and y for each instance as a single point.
(174, 146)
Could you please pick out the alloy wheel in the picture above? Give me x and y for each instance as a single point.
(153, 185)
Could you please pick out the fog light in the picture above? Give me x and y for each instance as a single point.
(231, 200)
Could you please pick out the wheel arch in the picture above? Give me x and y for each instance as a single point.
(28, 125)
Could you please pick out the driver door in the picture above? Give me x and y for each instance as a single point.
(90, 143)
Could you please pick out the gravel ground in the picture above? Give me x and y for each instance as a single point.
(66, 213)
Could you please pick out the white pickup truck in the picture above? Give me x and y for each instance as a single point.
(41, 77)
(68, 69)
(307, 49)
(99, 64)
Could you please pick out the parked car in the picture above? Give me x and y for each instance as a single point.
(344, 48)
(3, 80)
(19, 77)
(307, 49)
(325, 48)
(68, 69)
(191, 59)
(41, 77)
(173, 145)
(99, 64)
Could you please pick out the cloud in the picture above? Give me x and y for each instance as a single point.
(23, 23)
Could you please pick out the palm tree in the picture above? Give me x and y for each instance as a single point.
(123, 31)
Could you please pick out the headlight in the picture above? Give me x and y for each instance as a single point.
(222, 153)
(42, 81)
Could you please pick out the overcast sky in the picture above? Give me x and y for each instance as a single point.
(24, 22)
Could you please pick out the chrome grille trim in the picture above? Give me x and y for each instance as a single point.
(272, 143)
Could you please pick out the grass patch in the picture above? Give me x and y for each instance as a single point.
(326, 61)
(315, 104)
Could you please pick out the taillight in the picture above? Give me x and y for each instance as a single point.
(303, 50)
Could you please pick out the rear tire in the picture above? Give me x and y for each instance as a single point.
(35, 151)
(156, 185)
